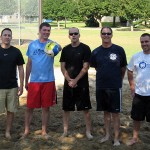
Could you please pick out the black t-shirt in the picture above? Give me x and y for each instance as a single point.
(9, 60)
(108, 63)
(74, 57)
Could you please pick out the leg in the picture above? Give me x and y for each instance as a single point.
(107, 120)
(116, 124)
(136, 128)
(9, 121)
(88, 124)
(45, 118)
(66, 115)
(28, 118)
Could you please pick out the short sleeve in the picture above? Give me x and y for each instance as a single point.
(131, 64)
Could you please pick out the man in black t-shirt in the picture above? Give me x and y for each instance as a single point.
(74, 66)
(110, 62)
(11, 59)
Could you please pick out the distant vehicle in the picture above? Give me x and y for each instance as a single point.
(47, 20)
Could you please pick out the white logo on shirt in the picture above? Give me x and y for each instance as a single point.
(113, 56)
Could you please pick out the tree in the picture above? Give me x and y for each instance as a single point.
(145, 12)
(55, 9)
(97, 8)
(133, 10)
(27, 10)
(8, 7)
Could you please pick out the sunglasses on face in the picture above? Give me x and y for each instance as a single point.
(75, 33)
(106, 33)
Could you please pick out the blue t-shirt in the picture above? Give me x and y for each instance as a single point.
(42, 65)
(108, 63)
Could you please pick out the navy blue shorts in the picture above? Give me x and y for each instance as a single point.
(78, 97)
(109, 100)
(140, 108)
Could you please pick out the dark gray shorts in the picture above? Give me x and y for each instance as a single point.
(78, 97)
(140, 108)
(109, 100)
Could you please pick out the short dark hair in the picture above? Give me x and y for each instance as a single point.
(6, 29)
(44, 24)
(145, 34)
(74, 28)
(106, 28)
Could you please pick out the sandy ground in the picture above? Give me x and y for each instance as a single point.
(77, 139)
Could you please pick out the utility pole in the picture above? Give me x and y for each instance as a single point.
(40, 12)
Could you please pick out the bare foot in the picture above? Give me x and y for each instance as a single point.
(104, 139)
(7, 135)
(116, 143)
(89, 136)
(23, 136)
(46, 136)
(65, 134)
(132, 142)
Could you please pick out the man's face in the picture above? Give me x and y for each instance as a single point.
(45, 32)
(6, 37)
(106, 35)
(145, 44)
(74, 35)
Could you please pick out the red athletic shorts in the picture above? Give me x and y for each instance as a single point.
(41, 95)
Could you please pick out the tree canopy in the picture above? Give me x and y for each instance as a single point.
(83, 9)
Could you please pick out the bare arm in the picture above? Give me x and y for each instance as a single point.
(131, 82)
(123, 70)
(28, 71)
(21, 78)
(64, 71)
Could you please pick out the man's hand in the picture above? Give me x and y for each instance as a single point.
(72, 83)
(20, 91)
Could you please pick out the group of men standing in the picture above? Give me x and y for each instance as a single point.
(109, 61)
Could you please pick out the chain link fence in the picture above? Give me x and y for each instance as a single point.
(22, 17)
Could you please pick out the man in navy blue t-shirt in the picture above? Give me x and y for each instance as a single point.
(110, 62)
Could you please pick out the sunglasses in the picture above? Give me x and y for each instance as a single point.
(75, 33)
(106, 33)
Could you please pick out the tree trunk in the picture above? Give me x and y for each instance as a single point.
(100, 23)
(58, 24)
(65, 22)
(131, 25)
(145, 23)
(114, 21)
(132, 28)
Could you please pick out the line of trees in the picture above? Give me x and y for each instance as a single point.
(82, 10)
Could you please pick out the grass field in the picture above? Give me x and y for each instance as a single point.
(90, 36)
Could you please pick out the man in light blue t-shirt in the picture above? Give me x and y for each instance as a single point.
(41, 88)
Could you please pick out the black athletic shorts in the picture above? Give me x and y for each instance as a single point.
(140, 108)
(78, 97)
(109, 100)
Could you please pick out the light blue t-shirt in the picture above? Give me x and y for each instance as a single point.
(42, 65)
